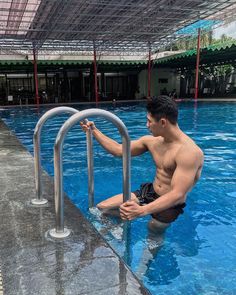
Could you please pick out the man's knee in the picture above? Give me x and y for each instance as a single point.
(101, 206)
(114, 202)
(105, 205)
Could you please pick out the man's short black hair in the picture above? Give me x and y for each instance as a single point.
(163, 107)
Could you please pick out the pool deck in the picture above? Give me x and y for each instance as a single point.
(213, 99)
(31, 262)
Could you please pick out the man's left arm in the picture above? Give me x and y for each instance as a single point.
(187, 165)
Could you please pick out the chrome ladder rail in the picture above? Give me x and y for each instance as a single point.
(60, 231)
(39, 200)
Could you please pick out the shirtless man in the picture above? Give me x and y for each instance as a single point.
(178, 161)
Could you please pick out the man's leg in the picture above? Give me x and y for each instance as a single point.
(155, 240)
(114, 202)
(157, 227)
(110, 207)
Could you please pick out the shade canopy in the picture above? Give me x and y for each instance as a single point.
(120, 26)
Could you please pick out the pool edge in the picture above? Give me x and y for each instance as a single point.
(23, 237)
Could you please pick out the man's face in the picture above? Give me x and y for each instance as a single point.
(155, 127)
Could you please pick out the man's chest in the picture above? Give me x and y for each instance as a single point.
(165, 157)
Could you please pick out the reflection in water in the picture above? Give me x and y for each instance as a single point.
(126, 237)
(75, 262)
(59, 273)
(195, 115)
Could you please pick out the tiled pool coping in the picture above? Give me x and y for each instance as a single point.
(33, 263)
(117, 102)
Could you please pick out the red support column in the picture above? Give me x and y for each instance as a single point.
(95, 73)
(197, 64)
(149, 73)
(36, 77)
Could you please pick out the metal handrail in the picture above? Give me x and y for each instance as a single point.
(60, 231)
(39, 200)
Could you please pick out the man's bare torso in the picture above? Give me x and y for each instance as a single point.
(165, 156)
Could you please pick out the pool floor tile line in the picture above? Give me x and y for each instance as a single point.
(34, 264)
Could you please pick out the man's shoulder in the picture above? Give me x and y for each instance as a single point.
(190, 150)
(149, 139)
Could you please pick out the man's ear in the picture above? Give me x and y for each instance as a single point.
(163, 122)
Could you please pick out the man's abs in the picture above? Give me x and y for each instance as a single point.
(162, 184)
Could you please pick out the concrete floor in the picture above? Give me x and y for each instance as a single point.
(31, 262)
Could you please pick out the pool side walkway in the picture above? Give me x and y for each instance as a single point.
(217, 99)
(31, 263)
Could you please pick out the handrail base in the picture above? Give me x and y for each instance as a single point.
(39, 202)
(59, 235)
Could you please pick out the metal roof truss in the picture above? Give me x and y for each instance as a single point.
(113, 26)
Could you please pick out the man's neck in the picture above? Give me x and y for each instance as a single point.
(172, 134)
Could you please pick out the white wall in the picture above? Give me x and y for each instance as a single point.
(156, 87)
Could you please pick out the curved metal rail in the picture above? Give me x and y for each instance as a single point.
(39, 200)
(60, 231)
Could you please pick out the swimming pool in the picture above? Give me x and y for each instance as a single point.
(198, 255)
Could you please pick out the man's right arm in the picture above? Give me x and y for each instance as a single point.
(137, 147)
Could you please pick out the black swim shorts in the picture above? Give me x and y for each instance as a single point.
(146, 194)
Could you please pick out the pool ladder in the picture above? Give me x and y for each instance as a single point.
(60, 231)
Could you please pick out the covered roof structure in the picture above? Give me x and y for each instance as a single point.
(212, 55)
(216, 54)
(112, 26)
(22, 66)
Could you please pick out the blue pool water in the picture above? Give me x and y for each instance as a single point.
(198, 255)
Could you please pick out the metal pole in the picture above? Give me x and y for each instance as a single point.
(36, 77)
(126, 165)
(149, 73)
(197, 63)
(90, 163)
(95, 73)
(60, 231)
(39, 200)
